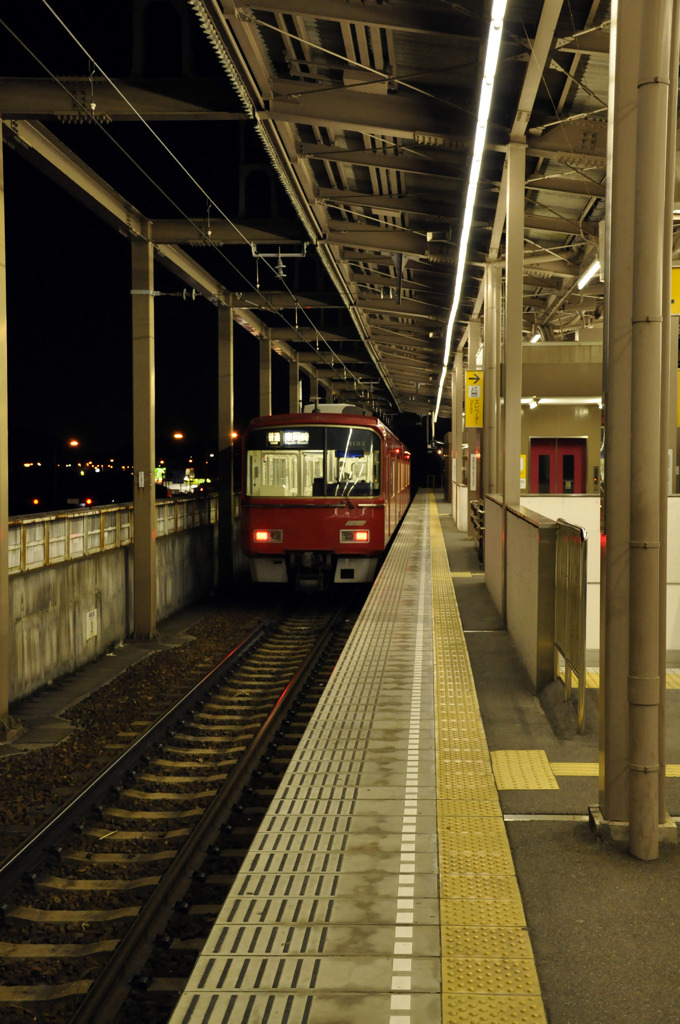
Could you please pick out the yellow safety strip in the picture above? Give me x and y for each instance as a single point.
(672, 679)
(488, 969)
(530, 769)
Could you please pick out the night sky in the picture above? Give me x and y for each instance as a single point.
(68, 272)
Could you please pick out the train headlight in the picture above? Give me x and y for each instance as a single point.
(355, 536)
(268, 536)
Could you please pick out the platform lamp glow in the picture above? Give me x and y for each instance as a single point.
(588, 275)
(490, 65)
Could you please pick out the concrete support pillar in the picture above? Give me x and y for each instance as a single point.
(512, 377)
(294, 385)
(457, 395)
(4, 462)
(225, 445)
(626, 32)
(492, 333)
(144, 438)
(645, 535)
(514, 292)
(265, 378)
(474, 342)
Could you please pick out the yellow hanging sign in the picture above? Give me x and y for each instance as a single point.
(675, 291)
(474, 398)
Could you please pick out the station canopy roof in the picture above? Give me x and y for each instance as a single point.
(311, 159)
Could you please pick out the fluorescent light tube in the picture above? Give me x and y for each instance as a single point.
(590, 273)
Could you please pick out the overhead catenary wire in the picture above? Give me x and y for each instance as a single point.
(88, 112)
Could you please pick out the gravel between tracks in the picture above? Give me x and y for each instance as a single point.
(33, 784)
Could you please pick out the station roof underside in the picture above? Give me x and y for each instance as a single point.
(344, 254)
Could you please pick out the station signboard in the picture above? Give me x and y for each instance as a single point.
(474, 398)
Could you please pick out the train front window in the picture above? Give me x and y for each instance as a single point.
(306, 462)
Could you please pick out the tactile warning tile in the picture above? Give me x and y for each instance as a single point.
(584, 768)
(476, 1009)
(493, 942)
(473, 804)
(463, 835)
(672, 678)
(490, 974)
(457, 913)
(478, 887)
(481, 861)
(523, 769)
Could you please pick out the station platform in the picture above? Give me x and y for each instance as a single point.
(428, 857)
(381, 886)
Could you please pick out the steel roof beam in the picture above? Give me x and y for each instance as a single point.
(286, 300)
(405, 308)
(561, 226)
(403, 117)
(595, 42)
(581, 186)
(423, 20)
(184, 232)
(436, 164)
(402, 204)
(69, 99)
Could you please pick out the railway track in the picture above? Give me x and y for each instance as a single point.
(98, 892)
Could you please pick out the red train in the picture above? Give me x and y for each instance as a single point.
(322, 494)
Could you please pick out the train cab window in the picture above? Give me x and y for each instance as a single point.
(313, 462)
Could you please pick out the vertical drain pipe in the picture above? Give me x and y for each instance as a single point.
(650, 192)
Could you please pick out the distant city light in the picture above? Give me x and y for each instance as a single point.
(73, 443)
(178, 435)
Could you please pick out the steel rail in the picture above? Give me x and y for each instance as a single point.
(113, 983)
(43, 841)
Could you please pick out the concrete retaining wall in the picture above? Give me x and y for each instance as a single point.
(65, 615)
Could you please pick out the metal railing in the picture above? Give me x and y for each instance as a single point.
(571, 550)
(477, 521)
(39, 541)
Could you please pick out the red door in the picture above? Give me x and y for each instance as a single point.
(558, 465)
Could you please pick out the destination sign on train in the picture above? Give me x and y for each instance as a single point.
(289, 437)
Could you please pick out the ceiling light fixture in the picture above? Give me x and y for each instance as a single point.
(490, 64)
(534, 338)
(589, 273)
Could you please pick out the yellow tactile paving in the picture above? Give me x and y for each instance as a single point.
(488, 970)
(494, 942)
(469, 913)
(530, 769)
(523, 769)
(478, 974)
(591, 768)
(574, 767)
(473, 1009)
(481, 860)
(672, 679)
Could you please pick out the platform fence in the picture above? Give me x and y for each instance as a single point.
(36, 542)
(571, 552)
